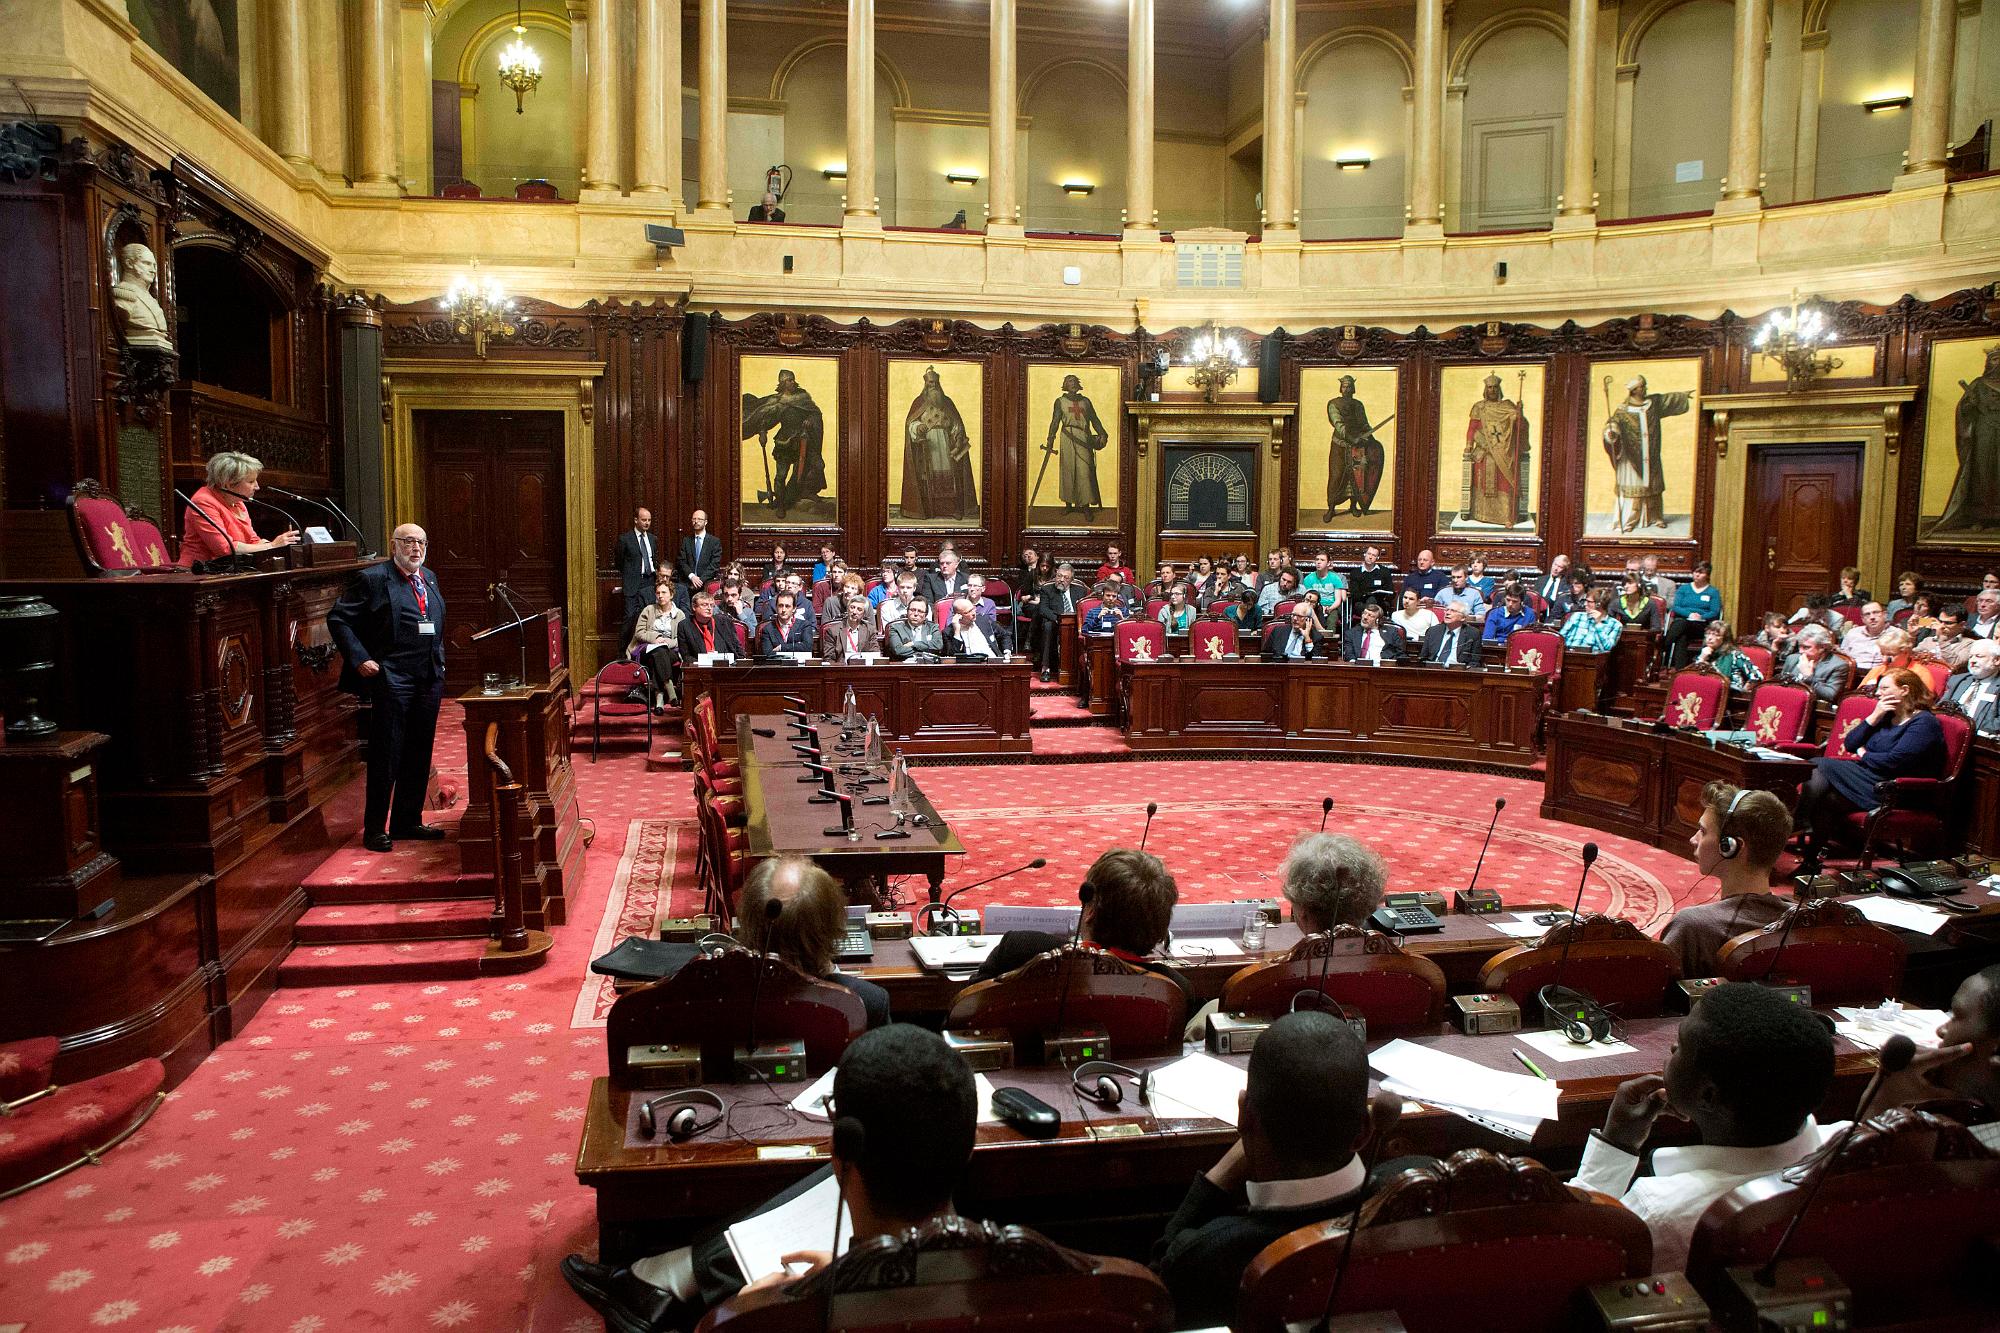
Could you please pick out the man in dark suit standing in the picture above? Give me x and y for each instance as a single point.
(636, 555)
(1294, 639)
(701, 553)
(1059, 598)
(1454, 643)
(389, 627)
(1371, 640)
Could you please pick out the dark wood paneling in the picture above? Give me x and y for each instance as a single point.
(935, 708)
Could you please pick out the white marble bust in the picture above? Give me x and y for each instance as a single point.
(141, 322)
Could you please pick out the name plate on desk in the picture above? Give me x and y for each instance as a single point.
(715, 659)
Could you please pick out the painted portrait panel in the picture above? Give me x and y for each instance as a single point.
(198, 38)
(1639, 448)
(935, 433)
(1347, 449)
(1489, 448)
(1073, 418)
(789, 425)
(1960, 499)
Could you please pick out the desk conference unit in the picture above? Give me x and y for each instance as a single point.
(923, 708)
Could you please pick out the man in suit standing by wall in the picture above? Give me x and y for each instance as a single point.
(389, 627)
(701, 553)
(636, 555)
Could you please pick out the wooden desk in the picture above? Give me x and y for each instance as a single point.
(1982, 802)
(782, 821)
(1624, 777)
(650, 1196)
(534, 740)
(1485, 717)
(977, 708)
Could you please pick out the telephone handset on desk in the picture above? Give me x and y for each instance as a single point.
(1918, 881)
(1402, 914)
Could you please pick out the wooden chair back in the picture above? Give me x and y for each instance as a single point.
(723, 1001)
(1141, 1010)
(1364, 971)
(1825, 944)
(1609, 959)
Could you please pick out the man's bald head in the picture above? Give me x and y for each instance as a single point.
(409, 544)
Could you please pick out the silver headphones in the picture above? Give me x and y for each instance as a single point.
(1729, 844)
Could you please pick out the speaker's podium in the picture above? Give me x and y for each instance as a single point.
(518, 715)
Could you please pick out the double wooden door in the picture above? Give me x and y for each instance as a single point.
(493, 506)
(1801, 524)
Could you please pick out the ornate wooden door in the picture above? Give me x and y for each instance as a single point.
(1801, 526)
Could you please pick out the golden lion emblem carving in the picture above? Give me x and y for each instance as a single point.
(1687, 709)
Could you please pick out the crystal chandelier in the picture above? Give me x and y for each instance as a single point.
(1214, 360)
(520, 66)
(1792, 336)
(479, 309)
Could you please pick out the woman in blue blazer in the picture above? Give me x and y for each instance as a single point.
(1900, 739)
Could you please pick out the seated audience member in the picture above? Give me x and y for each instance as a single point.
(1851, 592)
(1114, 563)
(1922, 620)
(1948, 642)
(708, 630)
(1593, 628)
(778, 568)
(1455, 643)
(1739, 840)
(1274, 562)
(885, 586)
(1177, 615)
(1635, 602)
(1556, 582)
(1895, 646)
(1301, 1122)
(1660, 585)
(846, 588)
(1986, 614)
(1132, 897)
(1774, 636)
(1747, 1069)
(1718, 650)
(1576, 595)
(1966, 1064)
(898, 602)
(1371, 640)
(1863, 643)
(232, 479)
(1976, 690)
(1462, 594)
(1414, 618)
(1295, 638)
(1163, 579)
(1244, 613)
(787, 630)
(948, 580)
(1332, 880)
(1328, 582)
(1283, 588)
(1477, 577)
(853, 633)
(1817, 666)
(1909, 586)
(1323, 618)
(1028, 580)
(808, 928)
(734, 600)
(1900, 739)
(1111, 611)
(823, 566)
(968, 633)
(1425, 577)
(916, 637)
(656, 642)
(1222, 592)
(1696, 604)
(1513, 613)
(1374, 581)
(918, 1109)
(1059, 597)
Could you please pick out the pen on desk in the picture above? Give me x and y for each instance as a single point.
(1533, 1068)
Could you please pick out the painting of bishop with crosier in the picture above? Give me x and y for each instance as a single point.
(1486, 441)
(934, 443)
(1960, 500)
(1638, 480)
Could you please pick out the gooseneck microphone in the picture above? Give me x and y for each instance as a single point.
(846, 801)
(1152, 808)
(1591, 1019)
(1325, 813)
(1378, 1115)
(773, 909)
(1897, 1052)
(327, 506)
(290, 522)
(1084, 894)
(1499, 804)
(231, 560)
(1035, 864)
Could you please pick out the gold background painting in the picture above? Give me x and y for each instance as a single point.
(1459, 388)
(1677, 447)
(1104, 387)
(1954, 362)
(820, 377)
(1377, 390)
(964, 383)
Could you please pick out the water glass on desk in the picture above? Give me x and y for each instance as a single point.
(1253, 930)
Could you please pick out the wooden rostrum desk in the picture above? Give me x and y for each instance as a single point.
(923, 708)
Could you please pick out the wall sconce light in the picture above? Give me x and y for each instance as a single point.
(1891, 102)
(1078, 189)
(962, 177)
(838, 173)
(1353, 161)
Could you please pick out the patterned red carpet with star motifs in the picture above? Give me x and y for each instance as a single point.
(400, 1155)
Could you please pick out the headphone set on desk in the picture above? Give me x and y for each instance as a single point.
(1098, 1080)
(1580, 1018)
(685, 1122)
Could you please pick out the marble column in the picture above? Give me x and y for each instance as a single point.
(600, 162)
(1139, 212)
(289, 109)
(1281, 56)
(1746, 102)
(1580, 115)
(714, 165)
(375, 39)
(1427, 116)
(328, 78)
(1930, 106)
(656, 101)
(860, 111)
(1003, 202)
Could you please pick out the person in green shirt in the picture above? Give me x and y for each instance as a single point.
(1330, 585)
(1718, 649)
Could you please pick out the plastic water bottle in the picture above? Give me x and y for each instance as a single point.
(899, 787)
(850, 713)
(872, 754)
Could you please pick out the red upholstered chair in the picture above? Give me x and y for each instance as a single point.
(1364, 971)
(1153, 606)
(1695, 697)
(1479, 1240)
(1282, 609)
(1535, 650)
(48, 1129)
(1084, 608)
(536, 189)
(1759, 657)
(112, 539)
(1141, 1010)
(1937, 673)
(707, 1003)
(460, 190)
(1905, 1218)
(722, 850)
(955, 1274)
(1609, 960)
(1850, 710)
(1915, 814)
(1140, 641)
(1779, 714)
(606, 692)
(1212, 640)
(1825, 944)
(1851, 614)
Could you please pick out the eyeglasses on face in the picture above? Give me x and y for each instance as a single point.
(411, 541)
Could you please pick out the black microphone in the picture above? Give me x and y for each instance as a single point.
(772, 910)
(1035, 864)
(1325, 813)
(1552, 995)
(1897, 1052)
(1152, 808)
(290, 522)
(1084, 894)
(1499, 804)
(846, 813)
(231, 560)
(327, 506)
(1380, 1112)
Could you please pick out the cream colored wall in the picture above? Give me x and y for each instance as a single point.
(538, 142)
(1515, 90)
(1354, 103)
(1680, 109)
(1871, 50)
(1077, 132)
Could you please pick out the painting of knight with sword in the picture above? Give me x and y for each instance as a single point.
(790, 433)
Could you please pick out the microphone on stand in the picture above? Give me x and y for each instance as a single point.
(846, 801)
(1499, 804)
(1083, 896)
(1555, 999)
(1152, 808)
(927, 915)
(328, 506)
(772, 910)
(231, 560)
(1382, 1110)
(1325, 813)
(290, 522)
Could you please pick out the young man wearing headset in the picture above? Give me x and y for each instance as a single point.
(1740, 837)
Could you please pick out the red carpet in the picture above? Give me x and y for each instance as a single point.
(400, 1156)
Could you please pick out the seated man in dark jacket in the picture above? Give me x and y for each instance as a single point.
(1302, 1121)
(1125, 913)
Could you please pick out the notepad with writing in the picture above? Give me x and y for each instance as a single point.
(1511, 1104)
(760, 1243)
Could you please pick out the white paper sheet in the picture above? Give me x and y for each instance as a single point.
(1441, 1079)
(1903, 915)
(1558, 1047)
(1520, 925)
(1201, 1083)
(1205, 948)
(761, 1243)
(1872, 1027)
(812, 1102)
(953, 952)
